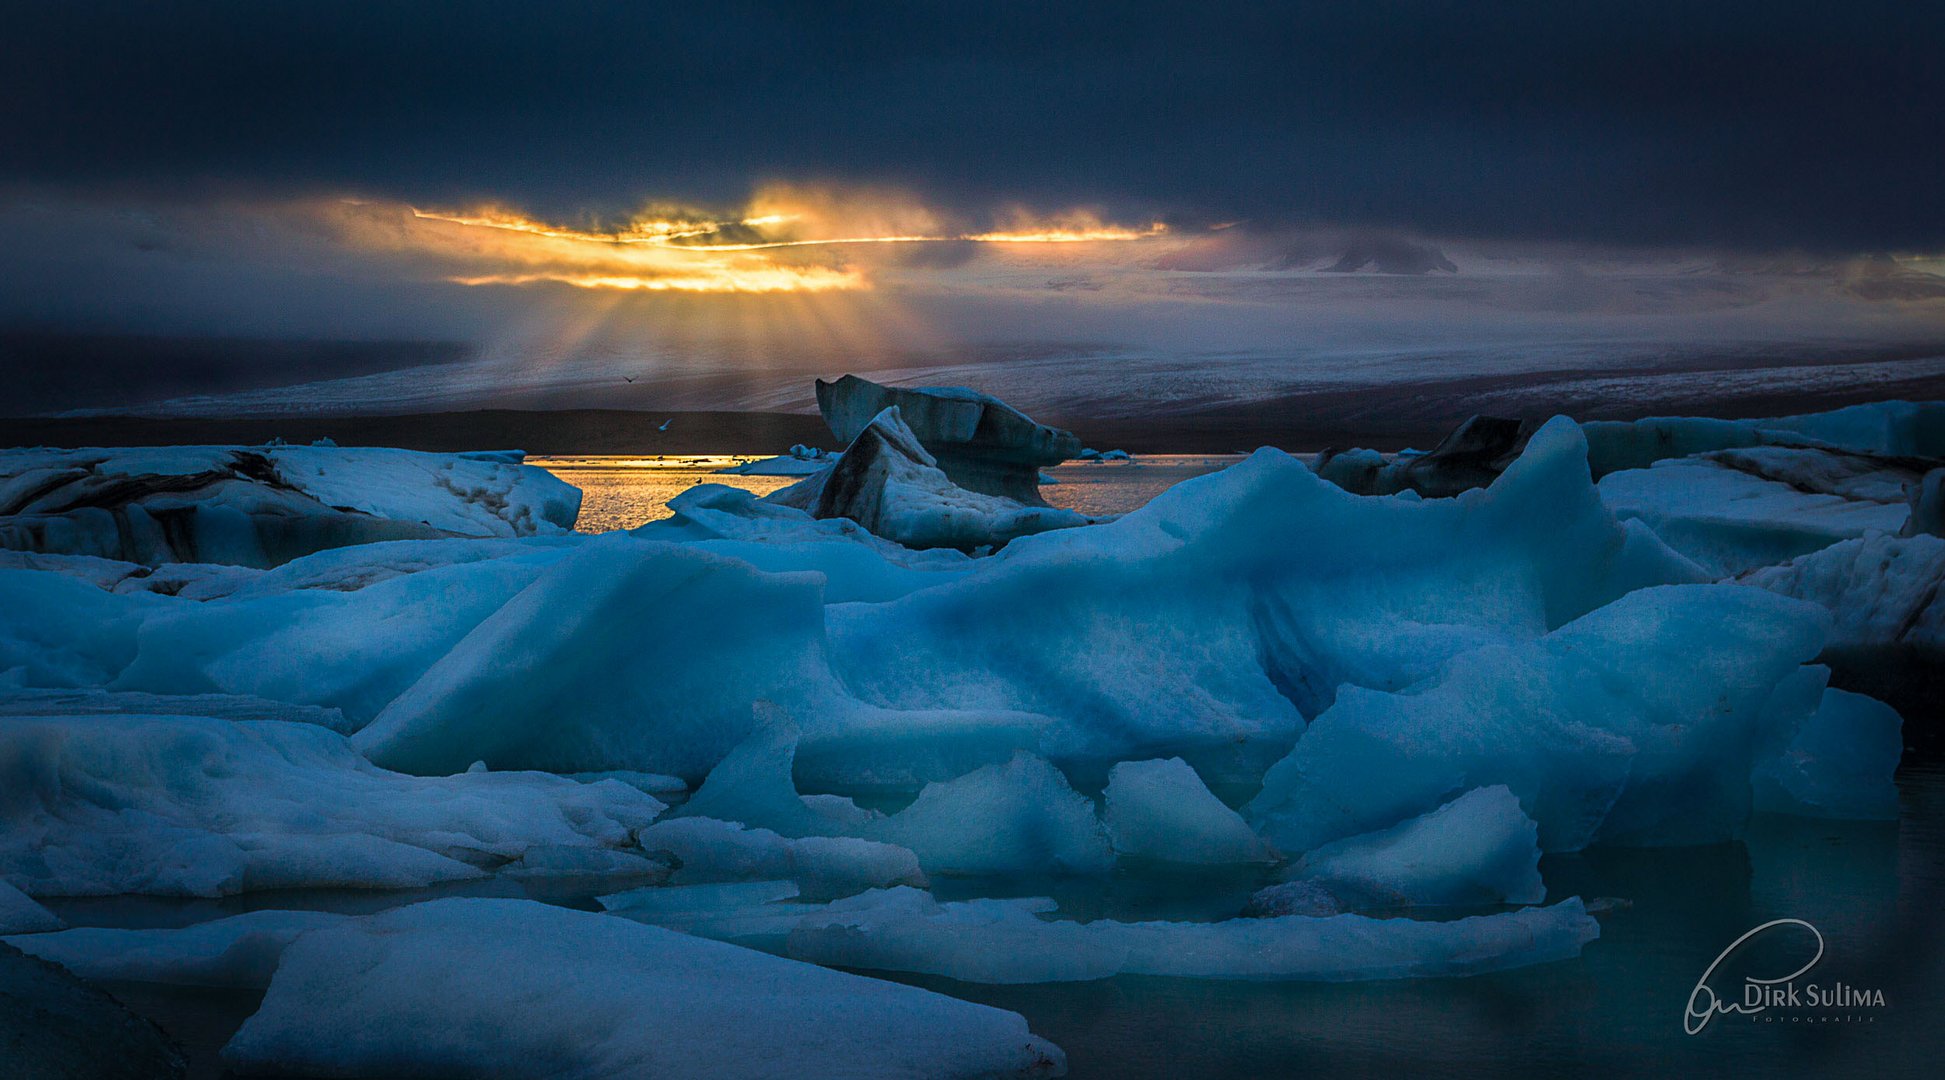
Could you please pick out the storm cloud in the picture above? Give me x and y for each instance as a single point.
(1746, 125)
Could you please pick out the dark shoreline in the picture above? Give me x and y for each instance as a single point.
(1383, 419)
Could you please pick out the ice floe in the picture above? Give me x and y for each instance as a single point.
(1007, 941)
(191, 806)
(263, 506)
(576, 994)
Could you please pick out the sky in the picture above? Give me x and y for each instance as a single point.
(713, 200)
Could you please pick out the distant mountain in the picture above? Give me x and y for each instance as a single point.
(1391, 255)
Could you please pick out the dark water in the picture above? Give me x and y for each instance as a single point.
(1872, 890)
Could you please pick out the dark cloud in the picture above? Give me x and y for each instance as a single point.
(1747, 124)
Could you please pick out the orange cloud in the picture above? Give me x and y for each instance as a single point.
(788, 239)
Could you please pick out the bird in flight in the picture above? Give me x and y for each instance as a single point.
(627, 378)
(666, 423)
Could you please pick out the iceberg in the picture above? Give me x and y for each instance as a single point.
(353, 650)
(1472, 456)
(800, 460)
(20, 914)
(1210, 623)
(887, 483)
(1593, 748)
(1160, 810)
(981, 443)
(780, 539)
(238, 951)
(1883, 595)
(757, 914)
(574, 994)
(263, 506)
(62, 632)
(1007, 941)
(191, 806)
(625, 654)
(1476, 850)
(1927, 506)
(1839, 761)
(1183, 629)
(708, 851)
(1016, 818)
(1888, 429)
(1735, 510)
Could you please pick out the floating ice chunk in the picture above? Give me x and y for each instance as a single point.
(198, 807)
(1886, 599)
(264, 506)
(1188, 625)
(856, 565)
(1892, 428)
(354, 651)
(1478, 849)
(1636, 724)
(19, 914)
(626, 654)
(887, 483)
(1016, 818)
(1472, 456)
(1161, 810)
(1927, 506)
(648, 783)
(707, 851)
(63, 632)
(982, 443)
(574, 994)
(241, 950)
(1735, 511)
(106, 574)
(349, 569)
(1838, 764)
(900, 751)
(1901, 428)
(753, 785)
(1007, 941)
(800, 460)
(756, 913)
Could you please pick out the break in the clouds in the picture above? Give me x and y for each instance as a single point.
(1740, 124)
(702, 204)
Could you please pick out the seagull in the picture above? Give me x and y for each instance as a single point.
(626, 378)
(666, 423)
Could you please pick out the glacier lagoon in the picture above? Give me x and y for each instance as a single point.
(1872, 888)
(1318, 764)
